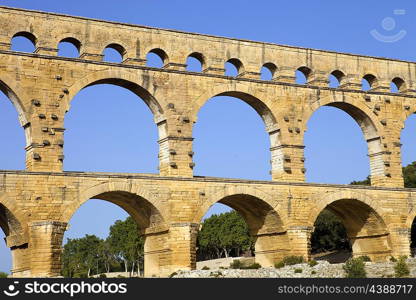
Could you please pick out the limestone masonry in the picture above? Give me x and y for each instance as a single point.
(36, 204)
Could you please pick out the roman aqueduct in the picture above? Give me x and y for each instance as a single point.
(36, 204)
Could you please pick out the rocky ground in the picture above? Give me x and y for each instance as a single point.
(323, 269)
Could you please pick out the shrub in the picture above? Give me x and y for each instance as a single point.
(120, 276)
(215, 274)
(236, 264)
(355, 268)
(253, 266)
(205, 268)
(292, 260)
(102, 276)
(173, 274)
(393, 259)
(3, 275)
(312, 263)
(401, 268)
(298, 270)
(365, 258)
(279, 264)
(313, 272)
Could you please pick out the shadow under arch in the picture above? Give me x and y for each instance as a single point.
(370, 128)
(15, 228)
(264, 223)
(147, 211)
(365, 226)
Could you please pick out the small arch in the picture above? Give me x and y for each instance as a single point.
(114, 53)
(397, 85)
(195, 62)
(157, 58)
(23, 41)
(233, 67)
(69, 47)
(303, 75)
(268, 71)
(368, 82)
(336, 78)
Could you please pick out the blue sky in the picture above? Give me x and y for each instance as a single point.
(124, 137)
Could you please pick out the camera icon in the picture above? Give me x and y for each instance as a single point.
(11, 290)
(389, 24)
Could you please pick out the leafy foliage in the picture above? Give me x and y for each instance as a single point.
(223, 235)
(401, 269)
(90, 255)
(312, 263)
(329, 233)
(3, 275)
(355, 268)
(289, 261)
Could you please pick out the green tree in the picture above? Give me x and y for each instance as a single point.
(126, 244)
(80, 256)
(329, 233)
(223, 235)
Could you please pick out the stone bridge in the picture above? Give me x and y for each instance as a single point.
(36, 204)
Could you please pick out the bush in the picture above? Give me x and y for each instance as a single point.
(401, 268)
(298, 270)
(236, 264)
(102, 276)
(253, 266)
(312, 263)
(3, 275)
(292, 260)
(173, 274)
(215, 274)
(355, 268)
(393, 259)
(365, 258)
(205, 268)
(279, 264)
(313, 272)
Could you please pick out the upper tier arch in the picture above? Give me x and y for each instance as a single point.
(142, 86)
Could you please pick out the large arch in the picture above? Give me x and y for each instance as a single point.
(363, 221)
(366, 120)
(243, 93)
(148, 211)
(265, 225)
(17, 96)
(142, 86)
(13, 223)
(263, 109)
(130, 198)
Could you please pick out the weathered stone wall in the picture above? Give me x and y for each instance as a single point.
(169, 206)
(169, 211)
